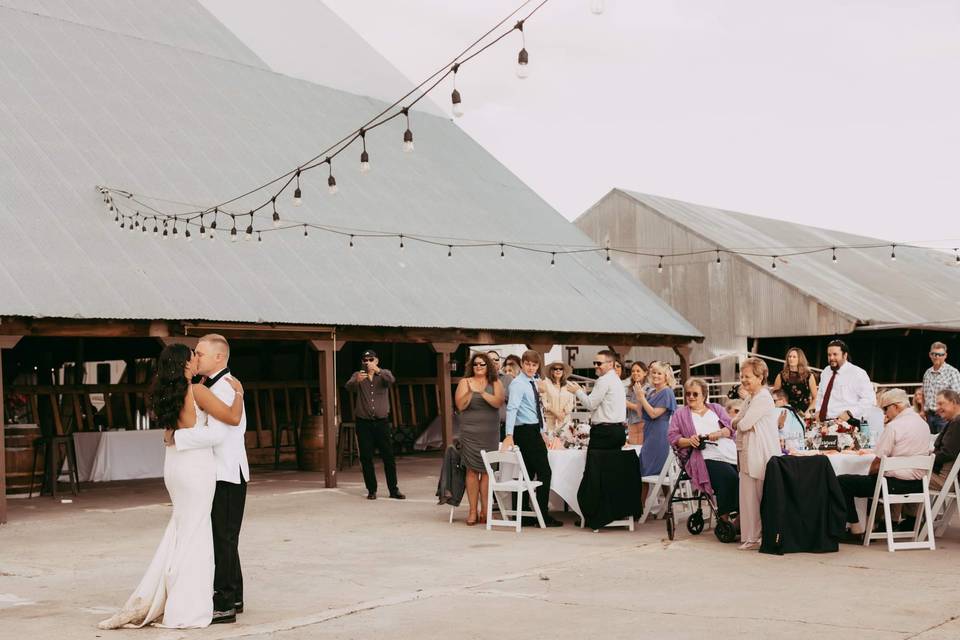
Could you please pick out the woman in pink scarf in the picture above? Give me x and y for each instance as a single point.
(713, 469)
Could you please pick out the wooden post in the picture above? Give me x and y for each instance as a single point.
(683, 352)
(327, 352)
(444, 391)
(6, 342)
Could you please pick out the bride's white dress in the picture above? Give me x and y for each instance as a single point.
(177, 589)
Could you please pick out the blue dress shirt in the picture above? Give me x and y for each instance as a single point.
(522, 405)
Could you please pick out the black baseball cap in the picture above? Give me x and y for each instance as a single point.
(369, 353)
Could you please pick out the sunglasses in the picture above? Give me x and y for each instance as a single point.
(692, 394)
(557, 369)
(888, 406)
(479, 364)
(369, 359)
(938, 354)
(597, 363)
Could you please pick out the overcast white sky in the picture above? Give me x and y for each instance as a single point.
(838, 113)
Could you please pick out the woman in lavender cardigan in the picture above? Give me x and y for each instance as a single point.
(712, 469)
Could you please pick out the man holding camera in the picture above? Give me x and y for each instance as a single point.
(372, 387)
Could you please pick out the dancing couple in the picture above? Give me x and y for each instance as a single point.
(206, 475)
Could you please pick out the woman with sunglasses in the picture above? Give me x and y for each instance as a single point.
(712, 467)
(478, 398)
(558, 402)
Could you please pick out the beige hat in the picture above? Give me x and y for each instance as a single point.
(894, 396)
(567, 369)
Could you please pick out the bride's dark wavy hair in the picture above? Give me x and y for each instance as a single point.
(169, 387)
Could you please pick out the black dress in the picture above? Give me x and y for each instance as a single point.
(798, 392)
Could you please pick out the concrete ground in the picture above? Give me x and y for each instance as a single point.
(328, 564)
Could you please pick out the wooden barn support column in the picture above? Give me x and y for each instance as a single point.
(327, 352)
(683, 352)
(6, 342)
(444, 350)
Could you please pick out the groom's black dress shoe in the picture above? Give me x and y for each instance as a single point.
(224, 617)
(372, 495)
(396, 495)
(238, 606)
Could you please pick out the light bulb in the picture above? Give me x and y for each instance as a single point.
(249, 234)
(186, 234)
(297, 201)
(597, 7)
(457, 103)
(523, 66)
(276, 219)
(407, 141)
(233, 235)
(305, 234)
(364, 162)
(332, 185)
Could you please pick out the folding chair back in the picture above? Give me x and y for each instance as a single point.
(510, 463)
(656, 500)
(945, 502)
(882, 494)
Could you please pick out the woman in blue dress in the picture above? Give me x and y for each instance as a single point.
(658, 407)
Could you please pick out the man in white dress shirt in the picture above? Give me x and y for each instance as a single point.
(845, 390)
(607, 402)
(233, 473)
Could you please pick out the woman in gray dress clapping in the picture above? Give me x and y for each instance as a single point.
(478, 399)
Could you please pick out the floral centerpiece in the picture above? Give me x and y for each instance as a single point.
(575, 435)
(835, 435)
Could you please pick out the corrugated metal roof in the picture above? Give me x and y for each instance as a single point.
(865, 284)
(83, 105)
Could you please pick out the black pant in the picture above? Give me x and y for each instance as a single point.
(855, 486)
(528, 439)
(227, 515)
(375, 434)
(726, 485)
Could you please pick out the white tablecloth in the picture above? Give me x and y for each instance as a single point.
(119, 455)
(566, 468)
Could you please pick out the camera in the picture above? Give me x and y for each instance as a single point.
(734, 392)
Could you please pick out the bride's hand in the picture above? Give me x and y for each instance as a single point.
(168, 437)
(233, 382)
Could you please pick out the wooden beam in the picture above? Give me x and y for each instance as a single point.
(3, 451)
(9, 342)
(483, 336)
(683, 352)
(444, 390)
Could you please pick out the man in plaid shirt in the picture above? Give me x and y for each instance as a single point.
(937, 378)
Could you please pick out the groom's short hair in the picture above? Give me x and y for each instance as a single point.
(220, 341)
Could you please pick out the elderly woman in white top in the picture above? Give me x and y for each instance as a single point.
(757, 441)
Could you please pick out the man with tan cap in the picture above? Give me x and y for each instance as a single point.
(906, 434)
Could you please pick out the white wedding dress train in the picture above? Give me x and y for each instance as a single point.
(177, 589)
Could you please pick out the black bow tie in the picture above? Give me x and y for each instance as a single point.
(212, 381)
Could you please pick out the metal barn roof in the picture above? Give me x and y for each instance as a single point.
(161, 99)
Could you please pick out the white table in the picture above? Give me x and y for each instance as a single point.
(119, 455)
(566, 469)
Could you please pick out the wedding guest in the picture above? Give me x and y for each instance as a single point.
(525, 426)
(797, 381)
(733, 406)
(906, 434)
(512, 366)
(918, 403)
(372, 387)
(607, 402)
(845, 389)
(937, 378)
(757, 442)
(791, 426)
(713, 467)
(478, 399)
(657, 407)
(635, 390)
(558, 401)
(946, 448)
(505, 380)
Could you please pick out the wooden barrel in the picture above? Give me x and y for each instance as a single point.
(310, 456)
(18, 440)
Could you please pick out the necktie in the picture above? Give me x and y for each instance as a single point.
(536, 399)
(212, 381)
(822, 416)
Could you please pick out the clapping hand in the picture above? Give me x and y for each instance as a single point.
(573, 387)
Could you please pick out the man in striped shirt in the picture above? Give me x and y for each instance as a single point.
(940, 377)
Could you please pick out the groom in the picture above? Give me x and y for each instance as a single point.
(233, 473)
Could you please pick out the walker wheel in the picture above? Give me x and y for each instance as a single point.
(671, 527)
(695, 523)
(725, 531)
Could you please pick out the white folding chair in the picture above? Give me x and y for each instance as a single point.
(882, 494)
(658, 499)
(945, 502)
(510, 477)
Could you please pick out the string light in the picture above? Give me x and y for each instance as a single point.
(248, 236)
(455, 96)
(331, 181)
(233, 231)
(955, 252)
(608, 252)
(305, 234)
(893, 252)
(259, 238)
(523, 59)
(186, 234)
(123, 222)
(718, 256)
(165, 236)
(364, 156)
(834, 250)
(351, 241)
(203, 229)
(175, 225)
(401, 242)
(553, 259)
(502, 256)
(774, 265)
(276, 216)
(156, 229)
(449, 250)
(297, 200)
(660, 265)
(408, 134)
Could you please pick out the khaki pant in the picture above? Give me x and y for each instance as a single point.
(751, 491)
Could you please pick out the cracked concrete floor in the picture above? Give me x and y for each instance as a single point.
(328, 564)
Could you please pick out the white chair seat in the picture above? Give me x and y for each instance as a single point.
(514, 485)
(882, 495)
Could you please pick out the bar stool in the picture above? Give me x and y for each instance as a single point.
(53, 447)
(347, 446)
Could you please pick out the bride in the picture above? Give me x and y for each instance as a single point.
(175, 591)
